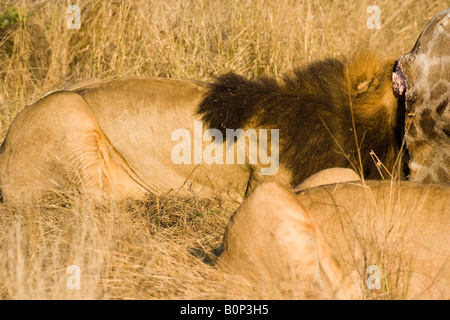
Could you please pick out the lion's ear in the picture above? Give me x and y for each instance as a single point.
(363, 87)
(368, 85)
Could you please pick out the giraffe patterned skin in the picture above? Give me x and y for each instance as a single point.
(422, 77)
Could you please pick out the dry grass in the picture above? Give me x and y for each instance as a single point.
(150, 249)
(160, 248)
(187, 39)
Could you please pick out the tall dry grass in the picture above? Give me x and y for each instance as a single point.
(187, 39)
(151, 249)
(160, 248)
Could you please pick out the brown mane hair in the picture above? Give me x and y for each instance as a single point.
(317, 109)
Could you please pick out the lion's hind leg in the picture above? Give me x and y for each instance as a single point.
(104, 170)
(273, 241)
(57, 146)
(97, 169)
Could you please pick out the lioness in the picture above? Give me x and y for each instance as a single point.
(377, 239)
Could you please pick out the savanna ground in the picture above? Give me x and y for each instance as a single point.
(163, 247)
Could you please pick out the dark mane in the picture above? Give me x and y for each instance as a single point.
(316, 109)
(233, 100)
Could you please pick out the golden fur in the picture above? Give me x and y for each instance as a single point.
(331, 113)
(112, 139)
(328, 176)
(320, 242)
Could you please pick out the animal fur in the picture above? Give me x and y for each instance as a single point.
(317, 109)
(113, 139)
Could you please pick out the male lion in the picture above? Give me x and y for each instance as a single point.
(114, 139)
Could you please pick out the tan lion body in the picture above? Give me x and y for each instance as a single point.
(321, 242)
(110, 139)
(114, 139)
(328, 176)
